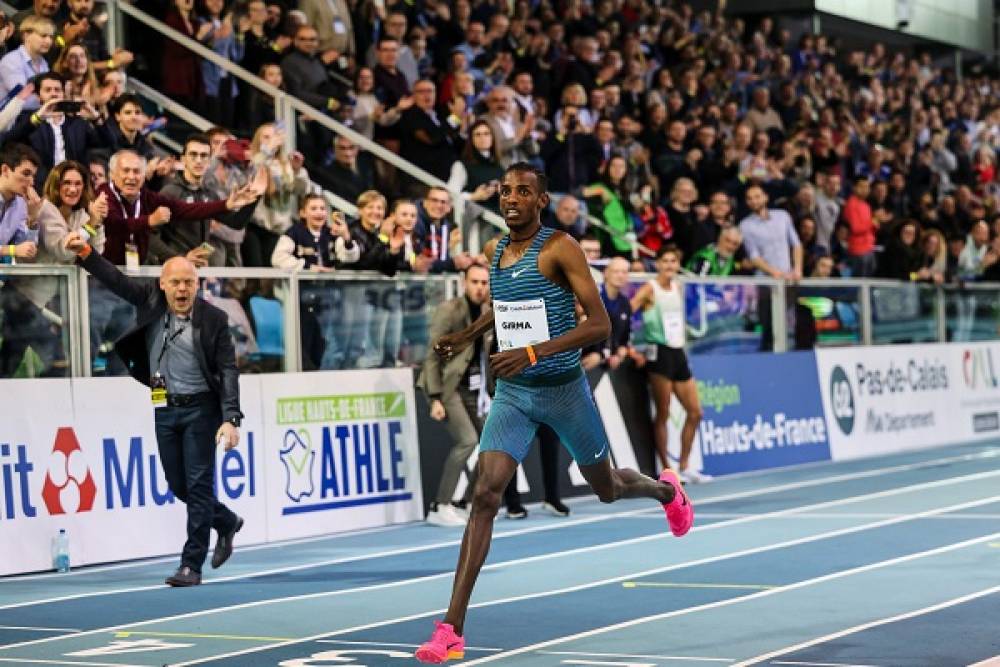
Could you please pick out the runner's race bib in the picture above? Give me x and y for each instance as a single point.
(520, 323)
(673, 329)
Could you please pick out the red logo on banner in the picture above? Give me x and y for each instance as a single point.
(69, 487)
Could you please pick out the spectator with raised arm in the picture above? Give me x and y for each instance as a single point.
(21, 65)
(57, 134)
(136, 210)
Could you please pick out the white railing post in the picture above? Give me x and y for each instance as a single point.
(115, 29)
(284, 112)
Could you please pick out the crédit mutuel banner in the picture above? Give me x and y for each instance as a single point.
(319, 453)
(900, 397)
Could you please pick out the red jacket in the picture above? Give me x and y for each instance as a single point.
(123, 225)
(858, 214)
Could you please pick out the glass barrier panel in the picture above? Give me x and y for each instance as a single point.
(720, 317)
(34, 325)
(903, 314)
(256, 311)
(830, 315)
(375, 323)
(254, 306)
(972, 314)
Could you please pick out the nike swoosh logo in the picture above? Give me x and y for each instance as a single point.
(515, 274)
(600, 453)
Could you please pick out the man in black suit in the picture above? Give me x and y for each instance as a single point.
(429, 137)
(56, 135)
(182, 350)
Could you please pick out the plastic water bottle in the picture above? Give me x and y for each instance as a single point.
(60, 551)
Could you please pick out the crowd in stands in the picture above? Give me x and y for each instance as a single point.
(751, 150)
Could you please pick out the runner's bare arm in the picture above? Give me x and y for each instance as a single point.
(572, 264)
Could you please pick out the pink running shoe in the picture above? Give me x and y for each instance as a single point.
(443, 645)
(680, 512)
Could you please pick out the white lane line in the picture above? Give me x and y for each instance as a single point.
(638, 655)
(37, 629)
(865, 626)
(565, 524)
(731, 601)
(989, 662)
(38, 661)
(559, 554)
(594, 584)
(821, 664)
(172, 558)
(843, 515)
(778, 488)
(391, 644)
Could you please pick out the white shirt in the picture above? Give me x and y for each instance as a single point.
(59, 151)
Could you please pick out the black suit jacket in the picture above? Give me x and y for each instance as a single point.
(432, 147)
(210, 326)
(79, 136)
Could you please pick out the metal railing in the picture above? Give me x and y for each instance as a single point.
(286, 105)
(723, 314)
(202, 124)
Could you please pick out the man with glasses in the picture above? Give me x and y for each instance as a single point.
(346, 176)
(191, 238)
(335, 31)
(429, 136)
(28, 60)
(436, 237)
(395, 26)
(305, 71)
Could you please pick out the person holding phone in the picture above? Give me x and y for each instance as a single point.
(61, 129)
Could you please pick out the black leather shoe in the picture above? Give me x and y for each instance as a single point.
(224, 545)
(184, 576)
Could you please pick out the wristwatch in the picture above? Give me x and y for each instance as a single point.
(235, 421)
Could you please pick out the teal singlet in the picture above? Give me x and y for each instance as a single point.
(523, 283)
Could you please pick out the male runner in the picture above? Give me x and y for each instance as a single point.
(535, 273)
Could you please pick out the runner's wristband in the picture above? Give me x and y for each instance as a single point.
(12, 249)
(531, 355)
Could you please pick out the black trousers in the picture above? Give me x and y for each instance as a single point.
(186, 439)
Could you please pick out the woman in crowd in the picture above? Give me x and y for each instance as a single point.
(661, 302)
(902, 257)
(368, 110)
(609, 196)
(934, 257)
(226, 39)
(287, 180)
(478, 173)
(181, 73)
(81, 82)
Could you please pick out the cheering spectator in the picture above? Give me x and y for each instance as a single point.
(192, 237)
(347, 176)
(227, 40)
(479, 171)
(428, 139)
(181, 72)
(18, 67)
(60, 130)
(135, 210)
(902, 257)
(319, 242)
(287, 180)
